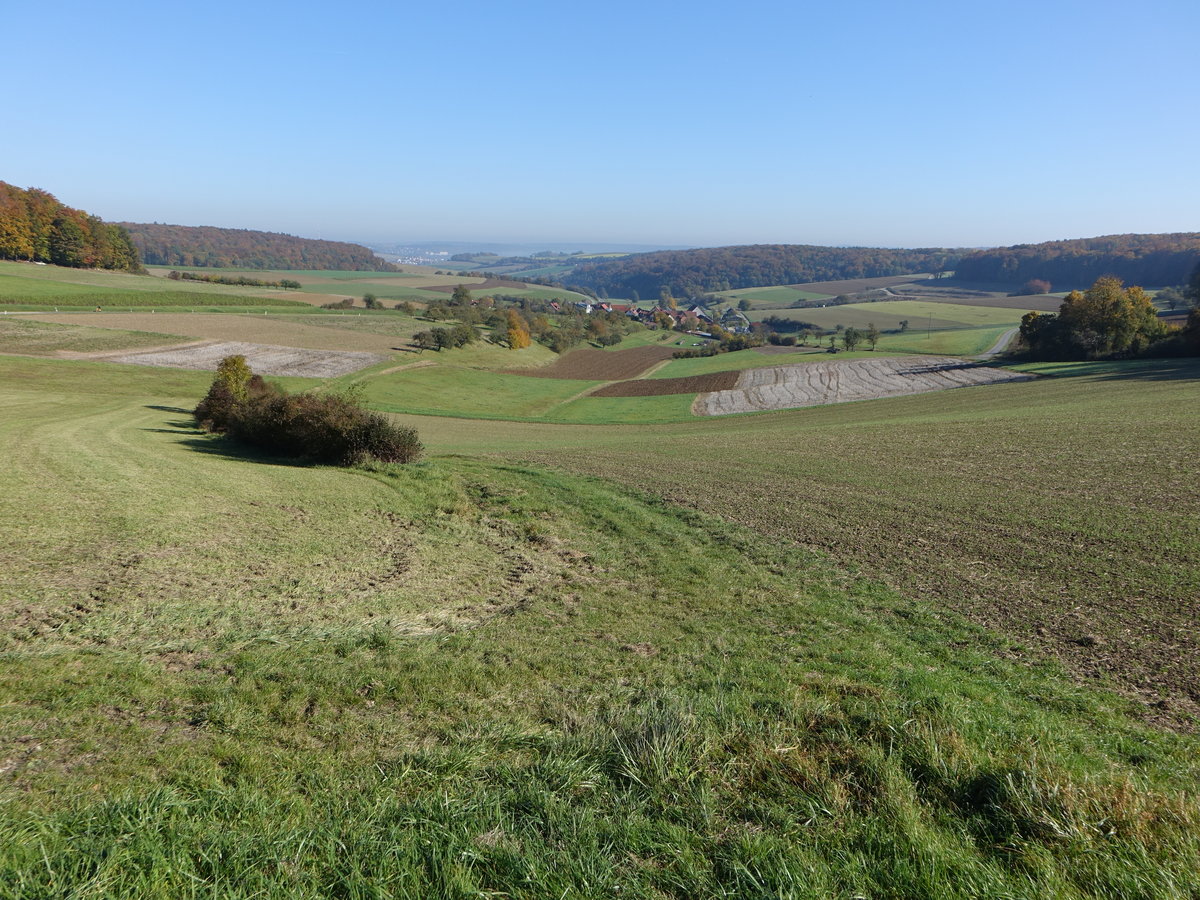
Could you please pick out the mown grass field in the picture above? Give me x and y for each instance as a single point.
(484, 676)
(29, 286)
(887, 315)
(772, 297)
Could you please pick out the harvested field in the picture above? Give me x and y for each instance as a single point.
(588, 364)
(817, 384)
(312, 331)
(656, 387)
(263, 359)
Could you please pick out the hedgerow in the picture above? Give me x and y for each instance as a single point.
(322, 428)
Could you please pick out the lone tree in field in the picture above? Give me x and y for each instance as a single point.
(872, 334)
(851, 337)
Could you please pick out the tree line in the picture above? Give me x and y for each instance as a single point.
(1150, 259)
(237, 280)
(693, 273)
(205, 246)
(35, 226)
(1109, 320)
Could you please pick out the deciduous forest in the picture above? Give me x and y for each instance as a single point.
(34, 225)
(687, 273)
(184, 245)
(1153, 260)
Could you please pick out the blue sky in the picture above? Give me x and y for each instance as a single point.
(877, 123)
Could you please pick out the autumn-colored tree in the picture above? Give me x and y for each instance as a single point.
(34, 225)
(1107, 319)
(234, 372)
(517, 333)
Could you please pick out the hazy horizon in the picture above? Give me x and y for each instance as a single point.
(915, 126)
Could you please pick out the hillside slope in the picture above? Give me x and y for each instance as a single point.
(690, 272)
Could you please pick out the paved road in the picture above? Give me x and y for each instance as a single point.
(999, 346)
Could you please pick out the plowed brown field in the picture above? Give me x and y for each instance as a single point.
(588, 364)
(656, 387)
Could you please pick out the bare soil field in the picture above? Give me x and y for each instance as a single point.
(588, 364)
(263, 359)
(490, 284)
(316, 332)
(817, 384)
(657, 387)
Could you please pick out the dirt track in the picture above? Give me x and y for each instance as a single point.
(263, 359)
(588, 364)
(815, 384)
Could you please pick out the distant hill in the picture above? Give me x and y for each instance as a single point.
(34, 225)
(687, 273)
(206, 246)
(1154, 260)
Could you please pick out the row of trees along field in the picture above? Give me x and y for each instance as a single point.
(1149, 259)
(689, 273)
(34, 225)
(208, 246)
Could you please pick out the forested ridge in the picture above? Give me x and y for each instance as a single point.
(209, 246)
(34, 225)
(691, 272)
(1154, 260)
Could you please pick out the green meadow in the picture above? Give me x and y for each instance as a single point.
(771, 297)
(934, 646)
(515, 669)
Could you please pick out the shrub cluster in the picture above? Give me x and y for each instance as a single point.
(1106, 320)
(325, 428)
